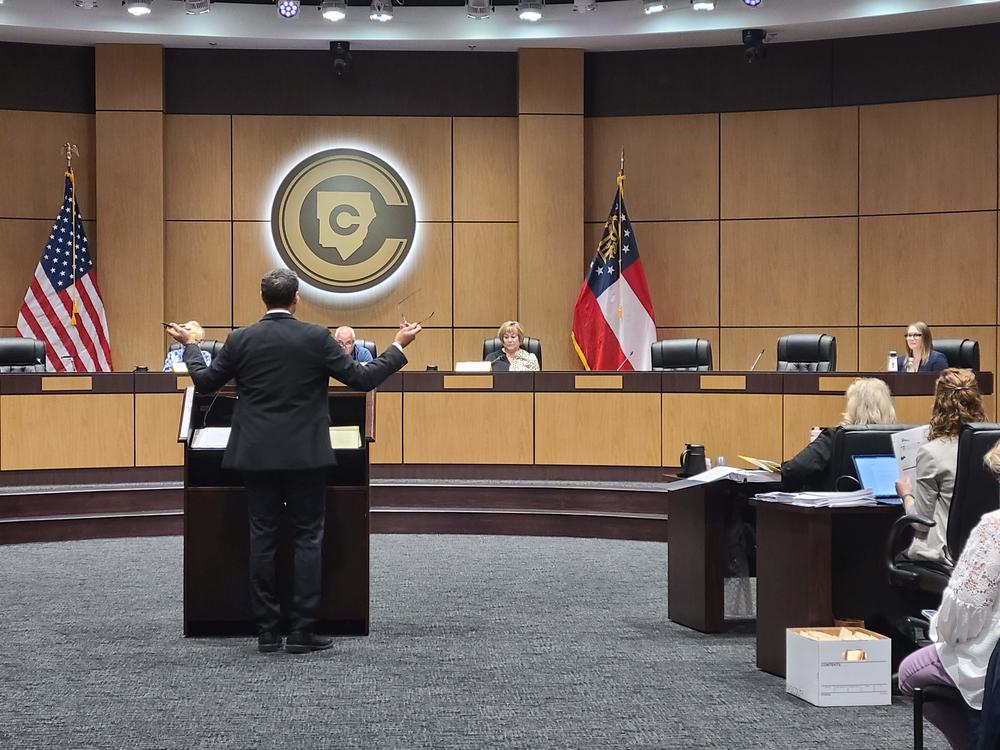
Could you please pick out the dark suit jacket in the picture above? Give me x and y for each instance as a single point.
(809, 469)
(935, 362)
(282, 368)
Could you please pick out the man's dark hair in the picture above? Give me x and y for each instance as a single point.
(278, 288)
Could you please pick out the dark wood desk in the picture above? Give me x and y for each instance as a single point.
(817, 564)
(697, 550)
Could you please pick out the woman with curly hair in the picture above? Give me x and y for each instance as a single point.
(956, 402)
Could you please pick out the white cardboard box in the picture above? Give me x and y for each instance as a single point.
(819, 671)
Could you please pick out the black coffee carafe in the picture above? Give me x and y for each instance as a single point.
(692, 460)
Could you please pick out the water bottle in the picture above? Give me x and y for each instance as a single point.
(893, 364)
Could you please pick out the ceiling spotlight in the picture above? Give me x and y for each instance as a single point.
(138, 7)
(703, 4)
(381, 11)
(649, 7)
(86, 4)
(197, 7)
(752, 3)
(479, 10)
(584, 6)
(288, 8)
(333, 10)
(530, 10)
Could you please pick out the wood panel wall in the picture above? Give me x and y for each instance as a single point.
(850, 220)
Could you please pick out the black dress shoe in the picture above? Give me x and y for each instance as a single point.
(268, 642)
(303, 643)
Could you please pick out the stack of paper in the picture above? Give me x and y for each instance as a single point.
(735, 475)
(820, 499)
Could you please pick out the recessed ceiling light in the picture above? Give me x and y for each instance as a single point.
(479, 10)
(288, 9)
(703, 4)
(752, 3)
(530, 10)
(381, 11)
(138, 7)
(197, 7)
(649, 7)
(584, 6)
(85, 4)
(333, 10)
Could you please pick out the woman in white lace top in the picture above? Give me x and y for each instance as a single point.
(966, 629)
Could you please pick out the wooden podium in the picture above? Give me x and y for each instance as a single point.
(216, 536)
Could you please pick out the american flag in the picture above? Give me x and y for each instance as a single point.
(613, 322)
(67, 316)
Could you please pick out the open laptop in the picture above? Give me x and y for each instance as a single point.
(878, 474)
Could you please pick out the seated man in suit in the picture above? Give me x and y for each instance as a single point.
(345, 337)
(175, 357)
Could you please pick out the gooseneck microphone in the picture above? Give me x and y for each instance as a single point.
(625, 360)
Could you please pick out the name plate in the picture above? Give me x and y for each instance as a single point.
(833, 384)
(723, 382)
(484, 382)
(73, 383)
(603, 382)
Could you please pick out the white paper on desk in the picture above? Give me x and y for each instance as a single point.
(210, 439)
(905, 445)
(718, 473)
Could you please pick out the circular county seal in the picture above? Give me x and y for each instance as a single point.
(343, 220)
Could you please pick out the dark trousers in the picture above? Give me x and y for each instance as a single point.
(302, 496)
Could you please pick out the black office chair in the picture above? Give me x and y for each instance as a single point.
(976, 492)
(807, 352)
(962, 353)
(674, 355)
(493, 345)
(210, 346)
(22, 355)
(369, 345)
(857, 440)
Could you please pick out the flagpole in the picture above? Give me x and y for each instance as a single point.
(70, 150)
(621, 199)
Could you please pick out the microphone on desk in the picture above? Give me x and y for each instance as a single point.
(756, 360)
(625, 360)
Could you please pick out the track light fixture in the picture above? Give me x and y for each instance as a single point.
(333, 10)
(138, 7)
(479, 10)
(85, 4)
(530, 10)
(197, 7)
(752, 3)
(703, 4)
(584, 6)
(288, 9)
(649, 7)
(381, 11)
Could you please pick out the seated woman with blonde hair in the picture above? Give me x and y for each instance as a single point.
(511, 356)
(956, 402)
(869, 401)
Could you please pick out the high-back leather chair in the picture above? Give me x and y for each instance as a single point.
(211, 346)
(22, 355)
(673, 355)
(807, 352)
(962, 353)
(369, 345)
(858, 440)
(493, 345)
(976, 492)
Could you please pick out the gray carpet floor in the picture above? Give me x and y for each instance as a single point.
(476, 642)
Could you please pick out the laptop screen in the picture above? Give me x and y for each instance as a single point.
(878, 474)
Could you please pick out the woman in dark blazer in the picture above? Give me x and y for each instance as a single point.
(920, 356)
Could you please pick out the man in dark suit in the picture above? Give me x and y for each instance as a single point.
(280, 441)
